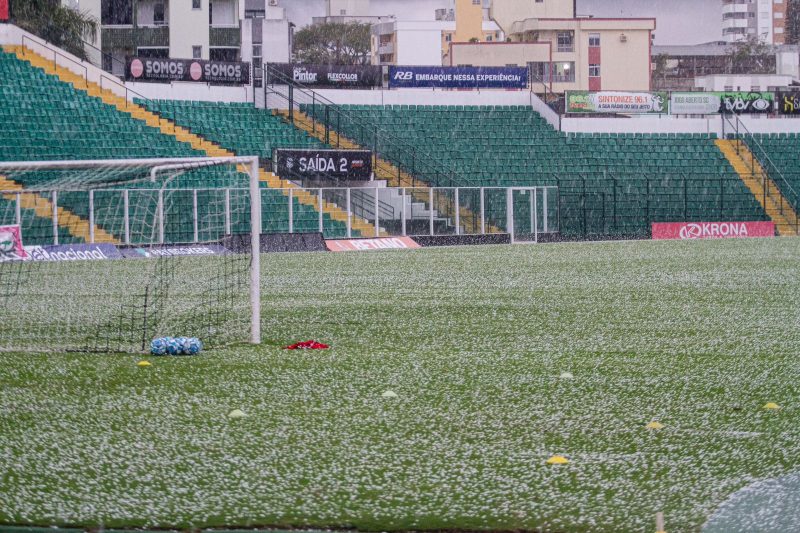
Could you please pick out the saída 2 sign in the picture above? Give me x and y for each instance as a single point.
(348, 165)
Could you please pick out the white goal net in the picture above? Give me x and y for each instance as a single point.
(107, 255)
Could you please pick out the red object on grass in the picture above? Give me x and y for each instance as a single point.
(307, 345)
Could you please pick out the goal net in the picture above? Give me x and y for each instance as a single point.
(107, 255)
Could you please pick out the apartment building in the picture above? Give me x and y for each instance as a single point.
(764, 19)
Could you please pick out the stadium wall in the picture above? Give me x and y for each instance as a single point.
(669, 124)
(423, 97)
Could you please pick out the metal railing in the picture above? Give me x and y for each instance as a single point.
(56, 55)
(189, 216)
(419, 166)
(770, 173)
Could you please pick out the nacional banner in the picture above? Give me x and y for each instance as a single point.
(711, 230)
(152, 69)
(11, 248)
(330, 75)
(5, 11)
(73, 252)
(458, 77)
(789, 103)
(617, 102)
(360, 245)
(350, 165)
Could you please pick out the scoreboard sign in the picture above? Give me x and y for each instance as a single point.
(344, 165)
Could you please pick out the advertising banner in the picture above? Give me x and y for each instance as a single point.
(695, 103)
(11, 248)
(360, 245)
(458, 77)
(153, 69)
(746, 102)
(616, 102)
(789, 103)
(352, 165)
(712, 230)
(330, 75)
(4, 10)
(73, 252)
(175, 251)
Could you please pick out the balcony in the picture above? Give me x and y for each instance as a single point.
(224, 36)
(115, 38)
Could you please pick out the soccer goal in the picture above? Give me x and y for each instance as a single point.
(107, 255)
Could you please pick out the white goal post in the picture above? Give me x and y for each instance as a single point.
(143, 205)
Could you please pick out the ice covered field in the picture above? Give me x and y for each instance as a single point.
(474, 341)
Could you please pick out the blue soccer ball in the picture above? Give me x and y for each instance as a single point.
(158, 346)
(173, 346)
(185, 344)
(195, 346)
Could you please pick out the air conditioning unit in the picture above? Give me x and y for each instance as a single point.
(622, 37)
(273, 2)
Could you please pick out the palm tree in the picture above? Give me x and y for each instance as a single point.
(62, 26)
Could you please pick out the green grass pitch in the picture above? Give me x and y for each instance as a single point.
(474, 341)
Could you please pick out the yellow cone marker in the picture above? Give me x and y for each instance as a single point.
(144, 363)
(558, 460)
(655, 425)
(236, 413)
(772, 405)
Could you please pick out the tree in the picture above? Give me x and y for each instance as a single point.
(751, 56)
(333, 43)
(60, 25)
(793, 22)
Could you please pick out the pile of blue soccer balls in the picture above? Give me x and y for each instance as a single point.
(176, 346)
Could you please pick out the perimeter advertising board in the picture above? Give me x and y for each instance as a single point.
(746, 102)
(329, 75)
(789, 103)
(152, 69)
(694, 103)
(11, 248)
(617, 102)
(712, 230)
(458, 77)
(350, 165)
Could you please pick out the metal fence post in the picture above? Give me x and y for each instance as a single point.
(430, 209)
(161, 216)
(458, 213)
(510, 213)
(18, 209)
(545, 211)
(54, 199)
(291, 211)
(483, 213)
(126, 204)
(195, 228)
(227, 211)
(321, 218)
(349, 214)
(403, 210)
(91, 217)
(536, 217)
(377, 215)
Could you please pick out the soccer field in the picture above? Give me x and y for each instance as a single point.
(478, 343)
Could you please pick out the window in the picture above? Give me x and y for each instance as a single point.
(563, 71)
(116, 12)
(256, 51)
(197, 52)
(448, 37)
(160, 53)
(196, 4)
(728, 88)
(343, 12)
(223, 54)
(158, 14)
(778, 30)
(565, 41)
(594, 39)
(539, 1)
(210, 12)
(755, 88)
(488, 38)
(594, 71)
(476, 2)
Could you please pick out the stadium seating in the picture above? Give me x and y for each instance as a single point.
(776, 147)
(610, 184)
(43, 118)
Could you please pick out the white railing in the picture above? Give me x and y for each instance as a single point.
(161, 216)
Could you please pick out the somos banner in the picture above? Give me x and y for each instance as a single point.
(789, 103)
(616, 102)
(458, 77)
(331, 75)
(167, 70)
(712, 230)
(11, 248)
(355, 165)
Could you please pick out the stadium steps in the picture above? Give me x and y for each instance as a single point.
(754, 178)
(384, 170)
(168, 127)
(43, 208)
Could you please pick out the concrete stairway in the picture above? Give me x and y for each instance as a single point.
(756, 178)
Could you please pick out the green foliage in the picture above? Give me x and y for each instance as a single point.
(333, 43)
(60, 25)
(793, 22)
(751, 56)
